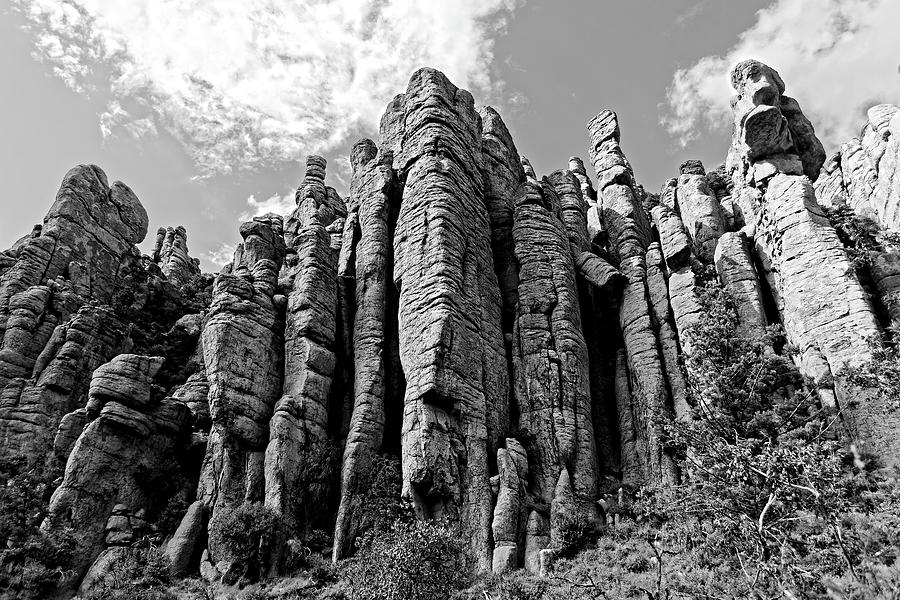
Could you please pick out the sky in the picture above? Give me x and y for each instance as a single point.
(207, 110)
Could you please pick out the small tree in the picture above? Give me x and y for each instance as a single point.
(771, 492)
(413, 560)
(245, 533)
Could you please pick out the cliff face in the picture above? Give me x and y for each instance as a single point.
(515, 342)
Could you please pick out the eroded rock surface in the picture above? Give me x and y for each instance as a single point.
(514, 342)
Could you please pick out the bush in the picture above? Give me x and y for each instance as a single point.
(772, 502)
(575, 534)
(33, 563)
(382, 500)
(140, 573)
(415, 560)
(244, 533)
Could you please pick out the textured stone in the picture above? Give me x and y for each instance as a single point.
(676, 245)
(171, 254)
(700, 212)
(373, 191)
(825, 311)
(299, 424)
(550, 359)
(32, 408)
(508, 524)
(450, 335)
(243, 353)
(537, 538)
(658, 292)
(455, 300)
(182, 546)
(865, 174)
(629, 235)
(503, 173)
(769, 123)
(738, 276)
(119, 455)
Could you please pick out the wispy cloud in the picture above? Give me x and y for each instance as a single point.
(837, 57)
(278, 204)
(244, 83)
(219, 256)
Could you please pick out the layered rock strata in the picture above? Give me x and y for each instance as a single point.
(128, 448)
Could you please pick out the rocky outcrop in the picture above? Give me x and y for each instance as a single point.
(628, 227)
(123, 457)
(516, 342)
(88, 237)
(824, 309)
(550, 357)
(298, 428)
(865, 174)
(373, 197)
(508, 526)
(736, 271)
(450, 335)
(171, 254)
(243, 353)
(699, 209)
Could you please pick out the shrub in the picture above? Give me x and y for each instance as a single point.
(244, 533)
(575, 534)
(382, 499)
(140, 573)
(33, 563)
(772, 502)
(415, 560)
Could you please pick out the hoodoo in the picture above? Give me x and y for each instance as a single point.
(517, 348)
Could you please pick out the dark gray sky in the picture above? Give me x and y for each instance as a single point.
(207, 110)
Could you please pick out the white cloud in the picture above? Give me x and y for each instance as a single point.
(242, 83)
(837, 58)
(280, 205)
(220, 256)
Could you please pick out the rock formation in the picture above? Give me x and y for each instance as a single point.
(865, 174)
(647, 393)
(514, 342)
(824, 309)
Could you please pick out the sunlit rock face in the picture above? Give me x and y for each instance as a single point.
(515, 343)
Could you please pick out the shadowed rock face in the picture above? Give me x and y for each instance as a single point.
(550, 361)
(646, 394)
(129, 445)
(515, 342)
(372, 192)
(243, 351)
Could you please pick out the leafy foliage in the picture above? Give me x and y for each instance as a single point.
(772, 506)
(33, 563)
(245, 532)
(772, 501)
(413, 560)
(138, 573)
(861, 235)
